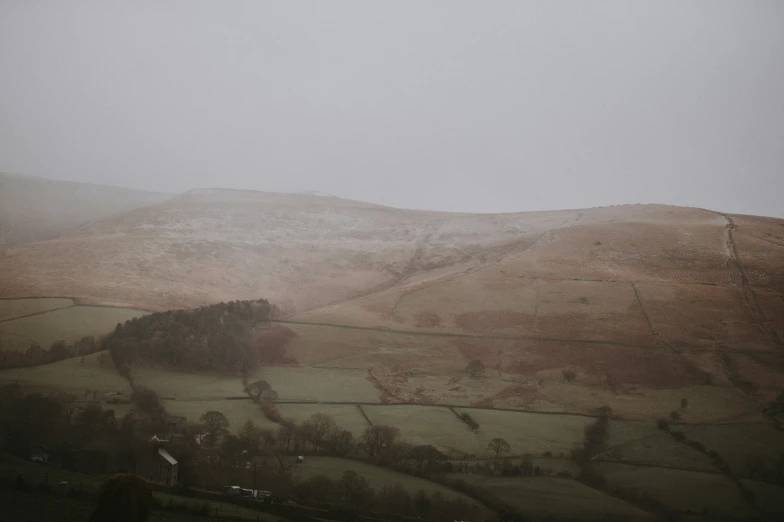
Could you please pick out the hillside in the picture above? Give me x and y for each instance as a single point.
(622, 299)
(36, 209)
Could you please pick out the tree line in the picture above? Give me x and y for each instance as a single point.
(58, 350)
(218, 337)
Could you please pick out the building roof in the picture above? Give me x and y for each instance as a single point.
(168, 458)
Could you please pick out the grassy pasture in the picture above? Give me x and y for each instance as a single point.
(78, 376)
(347, 416)
(237, 412)
(679, 489)
(190, 386)
(398, 359)
(656, 449)
(331, 385)
(736, 442)
(426, 425)
(549, 497)
(768, 497)
(706, 403)
(291, 384)
(14, 342)
(377, 476)
(69, 324)
(526, 432)
(12, 308)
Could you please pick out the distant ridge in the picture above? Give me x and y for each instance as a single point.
(38, 209)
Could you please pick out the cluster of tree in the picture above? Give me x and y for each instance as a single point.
(469, 421)
(76, 436)
(319, 434)
(218, 337)
(58, 351)
(595, 436)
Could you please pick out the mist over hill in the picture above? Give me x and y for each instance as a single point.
(649, 295)
(36, 209)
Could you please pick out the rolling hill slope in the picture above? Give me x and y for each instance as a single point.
(629, 297)
(36, 209)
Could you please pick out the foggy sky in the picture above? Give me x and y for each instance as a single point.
(481, 106)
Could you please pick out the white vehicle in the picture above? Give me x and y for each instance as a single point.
(232, 491)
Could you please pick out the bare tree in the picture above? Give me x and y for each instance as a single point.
(318, 427)
(498, 446)
(341, 441)
(286, 436)
(250, 437)
(425, 457)
(378, 439)
(355, 488)
(262, 391)
(595, 438)
(216, 424)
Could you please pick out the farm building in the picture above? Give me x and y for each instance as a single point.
(167, 468)
(160, 467)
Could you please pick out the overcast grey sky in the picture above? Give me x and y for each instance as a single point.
(482, 106)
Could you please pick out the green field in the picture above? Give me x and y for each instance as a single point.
(237, 412)
(736, 442)
(768, 497)
(319, 384)
(427, 425)
(550, 497)
(192, 395)
(526, 432)
(189, 386)
(13, 342)
(377, 476)
(291, 384)
(12, 308)
(347, 417)
(680, 490)
(69, 324)
(79, 376)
